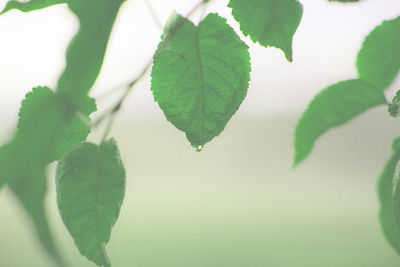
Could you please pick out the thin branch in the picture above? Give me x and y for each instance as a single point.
(153, 14)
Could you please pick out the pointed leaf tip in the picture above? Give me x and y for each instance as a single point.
(200, 76)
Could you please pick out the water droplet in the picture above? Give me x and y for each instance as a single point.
(198, 148)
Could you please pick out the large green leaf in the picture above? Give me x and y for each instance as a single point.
(46, 129)
(379, 58)
(86, 52)
(269, 22)
(90, 184)
(387, 216)
(72, 130)
(31, 191)
(200, 76)
(32, 5)
(332, 107)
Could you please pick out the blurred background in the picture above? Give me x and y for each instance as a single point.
(239, 202)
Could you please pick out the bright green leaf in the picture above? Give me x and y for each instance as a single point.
(31, 191)
(200, 76)
(86, 52)
(379, 58)
(387, 216)
(32, 5)
(269, 22)
(90, 184)
(333, 107)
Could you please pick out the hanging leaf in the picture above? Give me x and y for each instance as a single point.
(86, 52)
(387, 216)
(269, 22)
(333, 107)
(379, 58)
(90, 184)
(200, 76)
(32, 5)
(31, 191)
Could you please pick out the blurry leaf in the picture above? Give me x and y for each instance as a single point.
(333, 107)
(269, 22)
(394, 108)
(32, 5)
(387, 216)
(379, 58)
(200, 76)
(90, 184)
(46, 129)
(31, 191)
(86, 52)
(43, 104)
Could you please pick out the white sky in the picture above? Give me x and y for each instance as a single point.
(32, 51)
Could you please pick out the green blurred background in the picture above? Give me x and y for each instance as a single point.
(239, 202)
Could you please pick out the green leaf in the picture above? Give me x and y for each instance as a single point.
(71, 129)
(90, 184)
(387, 216)
(379, 58)
(200, 76)
(394, 108)
(269, 22)
(31, 191)
(333, 107)
(86, 52)
(46, 129)
(32, 5)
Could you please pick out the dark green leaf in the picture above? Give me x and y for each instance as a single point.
(379, 59)
(333, 107)
(31, 191)
(269, 22)
(86, 52)
(394, 108)
(200, 76)
(90, 184)
(387, 216)
(32, 5)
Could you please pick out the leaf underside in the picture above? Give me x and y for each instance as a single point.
(332, 107)
(269, 22)
(90, 183)
(200, 76)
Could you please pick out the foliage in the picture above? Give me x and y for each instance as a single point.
(200, 76)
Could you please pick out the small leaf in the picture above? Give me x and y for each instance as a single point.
(32, 5)
(31, 191)
(333, 107)
(90, 184)
(86, 52)
(379, 58)
(269, 22)
(394, 108)
(200, 76)
(387, 216)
